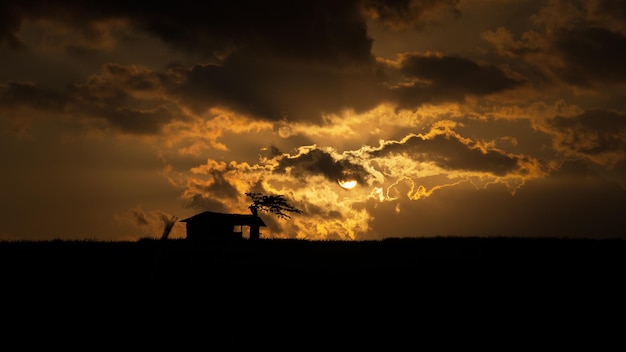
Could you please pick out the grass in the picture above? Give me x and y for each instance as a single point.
(246, 279)
(260, 264)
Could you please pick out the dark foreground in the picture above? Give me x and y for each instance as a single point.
(394, 282)
(149, 262)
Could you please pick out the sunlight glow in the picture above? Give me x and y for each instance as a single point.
(347, 184)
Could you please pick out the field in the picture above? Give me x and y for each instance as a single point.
(295, 282)
(154, 262)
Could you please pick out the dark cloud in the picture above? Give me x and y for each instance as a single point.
(315, 30)
(270, 60)
(271, 152)
(279, 90)
(592, 132)
(616, 173)
(318, 162)
(450, 153)
(9, 25)
(572, 202)
(401, 14)
(113, 97)
(452, 71)
(218, 186)
(26, 94)
(274, 89)
(202, 203)
(591, 55)
(322, 30)
(611, 8)
(75, 14)
(126, 98)
(430, 78)
(582, 43)
(274, 60)
(137, 121)
(139, 216)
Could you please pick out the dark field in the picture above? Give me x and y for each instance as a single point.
(463, 281)
(154, 262)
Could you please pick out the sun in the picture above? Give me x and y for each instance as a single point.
(347, 184)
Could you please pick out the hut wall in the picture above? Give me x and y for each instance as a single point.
(204, 231)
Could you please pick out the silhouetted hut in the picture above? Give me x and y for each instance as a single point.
(210, 225)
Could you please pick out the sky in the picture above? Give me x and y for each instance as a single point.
(448, 117)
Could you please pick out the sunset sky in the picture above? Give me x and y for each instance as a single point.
(453, 118)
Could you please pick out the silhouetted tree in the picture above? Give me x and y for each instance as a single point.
(168, 223)
(276, 204)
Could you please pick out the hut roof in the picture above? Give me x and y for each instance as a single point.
(222, 218)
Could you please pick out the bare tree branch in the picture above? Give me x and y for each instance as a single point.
(168, 223)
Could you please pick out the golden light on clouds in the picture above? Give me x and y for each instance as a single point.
(450, 120)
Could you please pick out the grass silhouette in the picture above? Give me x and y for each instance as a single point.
(300, 279)
(149, 260)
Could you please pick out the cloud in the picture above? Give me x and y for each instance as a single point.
(318, 162)
(140, 216)
(23, 103)
(274, 89)
(130, 99)
(86, 22)
(9, 25)
(410, 14)
(591, 55)
(608, 8)
(451, 152)
(215, 178)
(577, 43)
(432, 78)
(204, 203)
(319, 30)
(562, 205)
(597, 135)
(298, 64)
(531, 42)
(28, 94)
(315, 30)
(270, 60)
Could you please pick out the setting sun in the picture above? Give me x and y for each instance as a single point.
(347, 184)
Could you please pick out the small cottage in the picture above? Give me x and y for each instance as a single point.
(210, 225)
